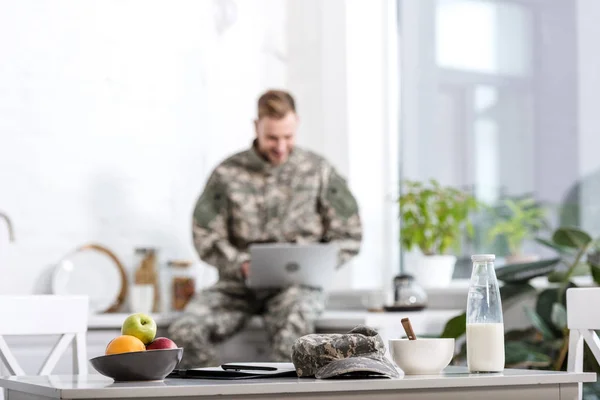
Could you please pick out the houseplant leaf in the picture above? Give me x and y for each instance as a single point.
(559, 316)
(523, 272)
(595, 270)
(560, 249)
(539, 323)
(455, 327)
(513, 292)
(524, 355)
(593, 260)
(434, 218)
(571, 237)
(518, 220)
(544, 306)
(561, 276)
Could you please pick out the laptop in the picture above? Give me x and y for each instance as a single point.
(277, 265)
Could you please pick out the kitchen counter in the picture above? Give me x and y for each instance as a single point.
(454, 384)
(251, 344)
(115, 320)
(428, 321)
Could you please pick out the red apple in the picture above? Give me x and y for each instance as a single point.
(161, 343)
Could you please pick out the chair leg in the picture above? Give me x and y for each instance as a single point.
(592, 341)
(7, 357)
(575, 360)
(55, 353)
(80, 362)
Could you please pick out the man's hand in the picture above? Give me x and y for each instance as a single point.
(245, 269)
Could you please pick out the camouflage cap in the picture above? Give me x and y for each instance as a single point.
(360, 352)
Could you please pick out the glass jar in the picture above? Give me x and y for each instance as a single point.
(485, 323)
(144, 293)
(183, 283)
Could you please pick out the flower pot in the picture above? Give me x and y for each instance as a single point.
(433, 271)
(521, 258)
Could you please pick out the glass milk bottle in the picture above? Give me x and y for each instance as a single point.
(485, 325)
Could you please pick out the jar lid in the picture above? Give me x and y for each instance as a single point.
(483, 257)
(403, 278)
(179, 263)
(144, 250)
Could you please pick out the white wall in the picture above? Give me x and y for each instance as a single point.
(372, 91)
(588, 12)
(345, 78)
(112, 113)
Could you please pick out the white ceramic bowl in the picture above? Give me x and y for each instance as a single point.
(422, 356)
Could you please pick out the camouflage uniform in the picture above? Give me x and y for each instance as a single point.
(248, 200)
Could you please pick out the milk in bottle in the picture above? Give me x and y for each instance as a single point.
(485, 325)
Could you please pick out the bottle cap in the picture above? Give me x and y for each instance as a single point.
(483, 257)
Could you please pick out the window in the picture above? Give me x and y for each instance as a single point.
(490, 105)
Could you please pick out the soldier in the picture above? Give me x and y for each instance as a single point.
(272, 192)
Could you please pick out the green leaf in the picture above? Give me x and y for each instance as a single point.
(524, 355)
(513, 292)
(595, 270)
(591, 390)
(525, 271)
(559, 316)
(434, 218)
(593, 260)
(526, 335)
(539, 323)
(560, 276)
(455, 327)
(571, 237)
(560, 249)
(518, 221)
(543, 307)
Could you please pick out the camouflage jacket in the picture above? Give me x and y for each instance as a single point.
(247, 200)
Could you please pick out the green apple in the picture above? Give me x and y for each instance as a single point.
(142, 326)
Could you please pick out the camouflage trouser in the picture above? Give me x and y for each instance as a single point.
(219, 312)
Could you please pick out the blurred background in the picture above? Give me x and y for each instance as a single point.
(113, 113)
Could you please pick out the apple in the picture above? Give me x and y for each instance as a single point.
(141, 326)
(161, 343)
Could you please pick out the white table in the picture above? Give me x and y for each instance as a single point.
(249, 345)
(454, 384)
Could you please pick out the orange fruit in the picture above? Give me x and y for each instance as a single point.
(124, 344)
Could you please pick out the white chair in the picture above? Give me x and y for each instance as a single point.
(45, 315)
(583, 318)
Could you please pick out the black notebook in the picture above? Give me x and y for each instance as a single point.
(238, 371)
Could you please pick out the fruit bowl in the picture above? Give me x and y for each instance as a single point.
(149, 365)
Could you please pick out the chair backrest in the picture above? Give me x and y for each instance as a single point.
(45, 315)
(583, 318)
(581, 310)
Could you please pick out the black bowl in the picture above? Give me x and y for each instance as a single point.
(149, 365)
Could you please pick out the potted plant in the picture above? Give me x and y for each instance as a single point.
(433, 220)
(545, 344)
(520, 220)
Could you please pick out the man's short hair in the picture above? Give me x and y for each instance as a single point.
(275, 104)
